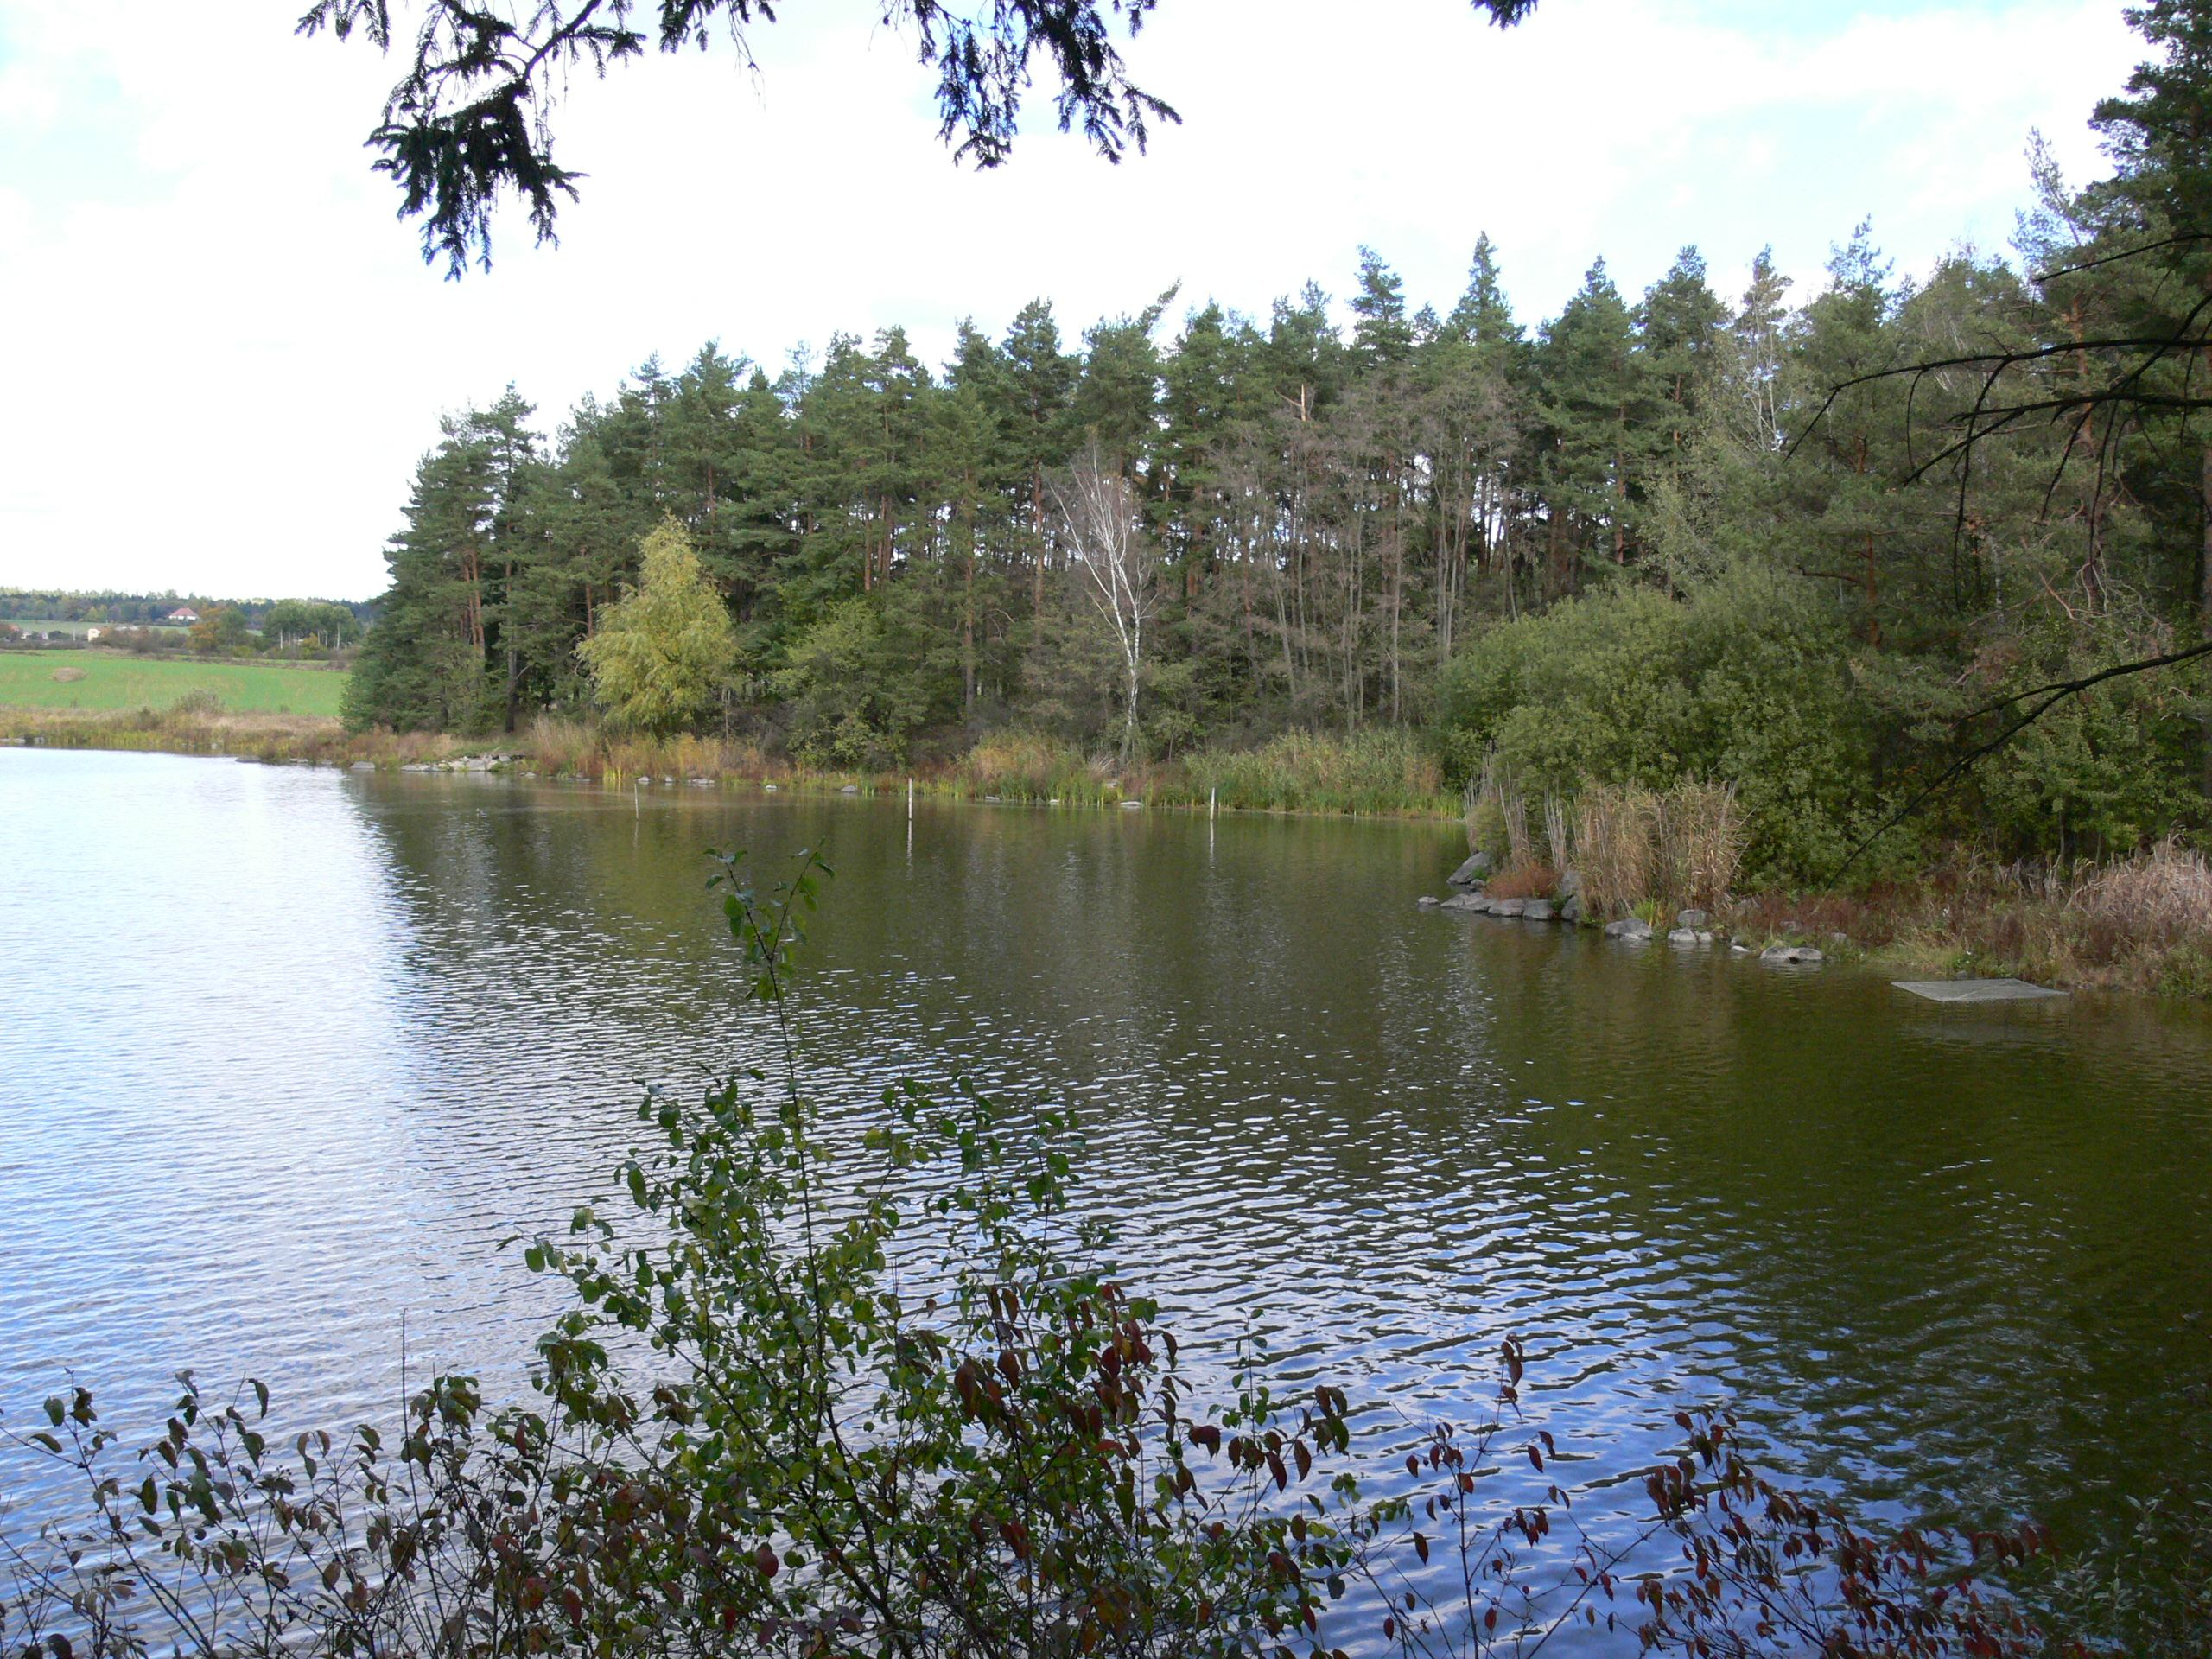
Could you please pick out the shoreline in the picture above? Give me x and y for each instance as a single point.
(2103, 929)
(274, 738)
(1963, 921)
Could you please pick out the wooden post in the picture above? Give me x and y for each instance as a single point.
(1213, 804)
(910, 800)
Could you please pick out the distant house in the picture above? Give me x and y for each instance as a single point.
(183, 616)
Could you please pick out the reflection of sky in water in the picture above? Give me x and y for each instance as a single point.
(287, 1053)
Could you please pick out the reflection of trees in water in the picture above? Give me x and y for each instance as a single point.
(1956, 1235)
(1356, 1128)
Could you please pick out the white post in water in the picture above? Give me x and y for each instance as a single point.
(1213, 803)
(910, 800)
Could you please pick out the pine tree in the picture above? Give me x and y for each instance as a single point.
(1594, 389)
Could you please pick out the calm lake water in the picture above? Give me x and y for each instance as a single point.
(285, 1053)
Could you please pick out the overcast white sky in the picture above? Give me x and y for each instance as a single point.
(220, 356)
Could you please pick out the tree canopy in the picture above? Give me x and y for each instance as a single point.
(666, 651)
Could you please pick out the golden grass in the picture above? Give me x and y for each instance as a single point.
(2140, 924)
(1615, 850)
(198, 724)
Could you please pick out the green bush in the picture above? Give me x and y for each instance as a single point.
(863, 682)
(1745, 679)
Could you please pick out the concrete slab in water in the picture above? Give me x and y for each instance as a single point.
(1976, 990)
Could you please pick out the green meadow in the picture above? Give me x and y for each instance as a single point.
(99, 679)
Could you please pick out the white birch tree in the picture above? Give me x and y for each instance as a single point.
(1109, 548)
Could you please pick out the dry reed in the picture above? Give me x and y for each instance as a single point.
(1614, 853)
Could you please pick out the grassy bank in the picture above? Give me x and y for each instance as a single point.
(104, 681)
(1380, 774)
(2139, 923)
(198, 725)
(1374, 774)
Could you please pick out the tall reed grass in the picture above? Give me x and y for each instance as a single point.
(1377, 773)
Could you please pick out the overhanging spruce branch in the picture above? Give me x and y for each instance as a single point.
(2179, 239)
(1991, 366)
(471, 119)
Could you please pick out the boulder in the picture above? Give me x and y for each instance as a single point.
(1507, 906)
(1682, 936)
(1791, 953)
(1465, 901)
(1473, 872)
(1426, 902)
(1693, 919)
(1571, 911)
(362, 765)
(1629, 928)
(1538, 910)
(1570, 886)
(850, 789)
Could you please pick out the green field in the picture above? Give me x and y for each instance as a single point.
(27, 681)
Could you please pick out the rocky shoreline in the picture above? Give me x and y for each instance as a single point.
(1565, 906)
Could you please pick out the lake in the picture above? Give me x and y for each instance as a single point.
(288, 1054)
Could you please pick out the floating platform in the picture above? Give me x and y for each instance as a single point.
(1976, 990)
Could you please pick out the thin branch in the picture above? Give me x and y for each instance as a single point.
(2058, 690)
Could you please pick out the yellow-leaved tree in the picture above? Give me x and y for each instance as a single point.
(665, 652)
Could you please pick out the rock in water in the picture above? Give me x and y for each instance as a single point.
(1426, 902)
(1629, 928)
(1976, 990)
(1693, 919)
(1682, 936)
(1507, 906)
(1467, 901)
(1537, 910)
(1791, 953)
(1473, 872)
(1570, 910)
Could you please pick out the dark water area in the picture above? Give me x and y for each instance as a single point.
(284, 1054)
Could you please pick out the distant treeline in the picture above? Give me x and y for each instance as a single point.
(1658, 536)
(111, 607)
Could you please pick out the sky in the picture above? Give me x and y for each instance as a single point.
(221, 356)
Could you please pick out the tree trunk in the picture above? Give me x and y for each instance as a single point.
(1036, 528)
(2204, 596)
(968, 606)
